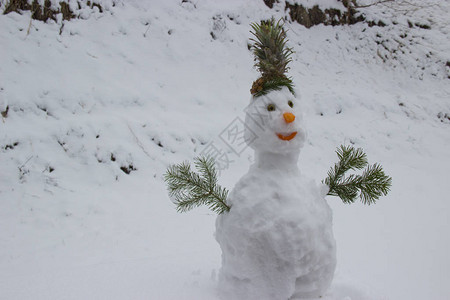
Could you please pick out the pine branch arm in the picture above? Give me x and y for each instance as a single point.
(370, 186)
(188, 189)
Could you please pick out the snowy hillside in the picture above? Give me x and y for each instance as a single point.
(94, 111)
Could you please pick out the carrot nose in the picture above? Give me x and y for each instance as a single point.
(289, 117)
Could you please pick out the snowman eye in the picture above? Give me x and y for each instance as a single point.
(290, 103)
(271, 107)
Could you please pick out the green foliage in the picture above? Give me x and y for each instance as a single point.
(370, 185)
(189, 189)
(275, 84)
(271, 53)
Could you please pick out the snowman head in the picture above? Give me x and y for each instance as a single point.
(273, 119)
(274, 122)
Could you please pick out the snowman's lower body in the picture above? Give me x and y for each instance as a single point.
(281, 258)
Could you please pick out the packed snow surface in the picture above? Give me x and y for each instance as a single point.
(94, 111)
(276, 240)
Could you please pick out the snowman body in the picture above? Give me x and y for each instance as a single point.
(277, 240)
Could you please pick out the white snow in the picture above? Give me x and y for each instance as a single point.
(322, 4)
(145, 84)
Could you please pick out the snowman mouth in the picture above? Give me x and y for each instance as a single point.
(287, 137)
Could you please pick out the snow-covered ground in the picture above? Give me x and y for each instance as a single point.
(149, 83)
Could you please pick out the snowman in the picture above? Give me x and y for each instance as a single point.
(276, 240)
(275, 227)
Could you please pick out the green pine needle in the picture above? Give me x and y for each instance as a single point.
(276, 84)
(189, 189)
(370, 186)
(271, 53)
